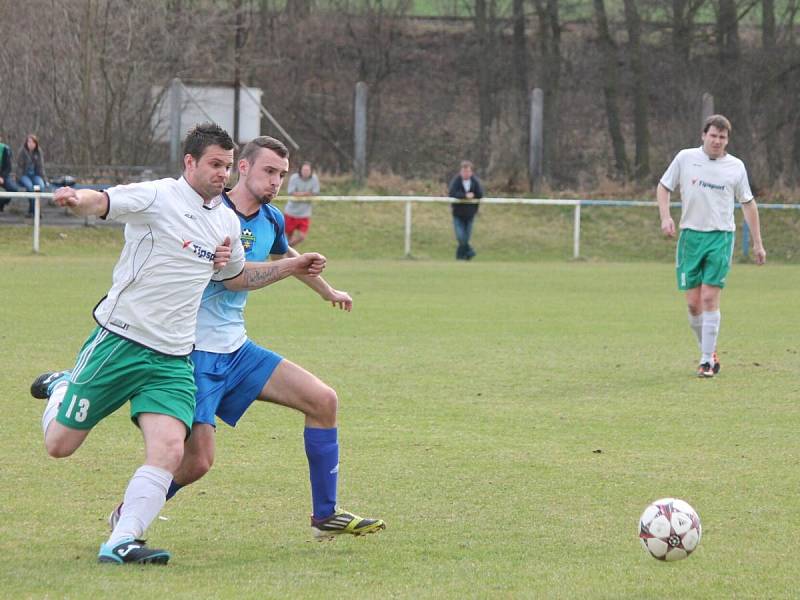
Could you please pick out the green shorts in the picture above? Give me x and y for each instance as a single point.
(703, 257)
(111, 370)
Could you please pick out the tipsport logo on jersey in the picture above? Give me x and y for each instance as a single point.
(248, 239)
(199, 251)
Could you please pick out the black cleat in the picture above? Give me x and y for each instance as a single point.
(132, 551)
(41, 384)
(717, 365)
(705, 370)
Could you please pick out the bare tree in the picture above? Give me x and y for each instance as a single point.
(549, 36)
(732, 93)
(641, 90)
(484, 19)
(611, 89)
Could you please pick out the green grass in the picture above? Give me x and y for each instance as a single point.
(474, 401)
(345, 230)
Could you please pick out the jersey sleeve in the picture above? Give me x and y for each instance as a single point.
(672, 176)
(132, 203)
(742, 191)
(315, 184)
(280, 245)
(236, 263)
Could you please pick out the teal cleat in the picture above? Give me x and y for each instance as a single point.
(132, 551)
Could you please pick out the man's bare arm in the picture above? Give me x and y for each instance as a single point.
(750, 211)
(82, 202)
(327, 292)
(257, 275)
(667, 224)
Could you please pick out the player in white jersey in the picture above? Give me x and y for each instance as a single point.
(231, 371)
(711, 181)
(178, 236)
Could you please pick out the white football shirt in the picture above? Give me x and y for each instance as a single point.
(166, 263)
(709, 189)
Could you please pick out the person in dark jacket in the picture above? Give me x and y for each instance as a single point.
(467, 188)
(30, 167)
(7, 182)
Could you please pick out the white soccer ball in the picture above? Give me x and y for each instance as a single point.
(670, 529)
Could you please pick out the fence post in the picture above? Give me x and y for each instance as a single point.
(576, 232)
(708, 107)
(37, 213)
(536, 150)
(360, 133)
(408, 231)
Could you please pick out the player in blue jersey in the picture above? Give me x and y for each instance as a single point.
(231, 371)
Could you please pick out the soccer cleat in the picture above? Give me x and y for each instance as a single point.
(113, 518)
(705, 370)
(40, 387)
(130, 550)
(717, 365)
(343, 522)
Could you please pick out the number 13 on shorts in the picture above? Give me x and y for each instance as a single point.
(82, 406)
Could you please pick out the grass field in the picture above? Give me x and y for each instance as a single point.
(508, 419)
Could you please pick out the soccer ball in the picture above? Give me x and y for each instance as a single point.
(669, 529)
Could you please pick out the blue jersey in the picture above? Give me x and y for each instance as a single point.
(220, 320)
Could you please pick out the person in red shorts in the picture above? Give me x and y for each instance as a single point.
(297, 214)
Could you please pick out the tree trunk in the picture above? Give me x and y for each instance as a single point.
(520, 74)
(611, 90)
(550, 49)
(640, 91)
(732, 99)
(771, 97)
(485, 80)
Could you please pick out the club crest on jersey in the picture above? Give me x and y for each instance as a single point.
(248, 239)
(199, 251)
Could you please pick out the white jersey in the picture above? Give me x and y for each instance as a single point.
(709, 189)
(166, 263)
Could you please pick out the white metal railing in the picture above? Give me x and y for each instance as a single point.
(410, 200)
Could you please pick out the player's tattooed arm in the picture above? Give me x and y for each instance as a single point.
(257, 275)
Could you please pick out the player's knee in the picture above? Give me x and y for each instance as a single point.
(202, 466)
(167, 455)
(327, 404)
(58, 447)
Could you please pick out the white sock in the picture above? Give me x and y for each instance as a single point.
(711, 320)
(696, 324)
(53, 404)
(144, 499)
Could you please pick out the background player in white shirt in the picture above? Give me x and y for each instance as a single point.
(711, 181)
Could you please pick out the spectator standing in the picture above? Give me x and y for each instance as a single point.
(7, 182)
(297, 214)
(30, 168)
(467, 188)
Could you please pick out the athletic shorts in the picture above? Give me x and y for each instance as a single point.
(111, 370)
(703, 257)
(227, 384)
(292, 223)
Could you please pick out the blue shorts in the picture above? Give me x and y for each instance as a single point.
(227, 384)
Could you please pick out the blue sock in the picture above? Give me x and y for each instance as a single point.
(322, 450)
(173, 489)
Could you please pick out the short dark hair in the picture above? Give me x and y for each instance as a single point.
(466, 164)
(270, 143)
(718, 121)
(204, 135)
